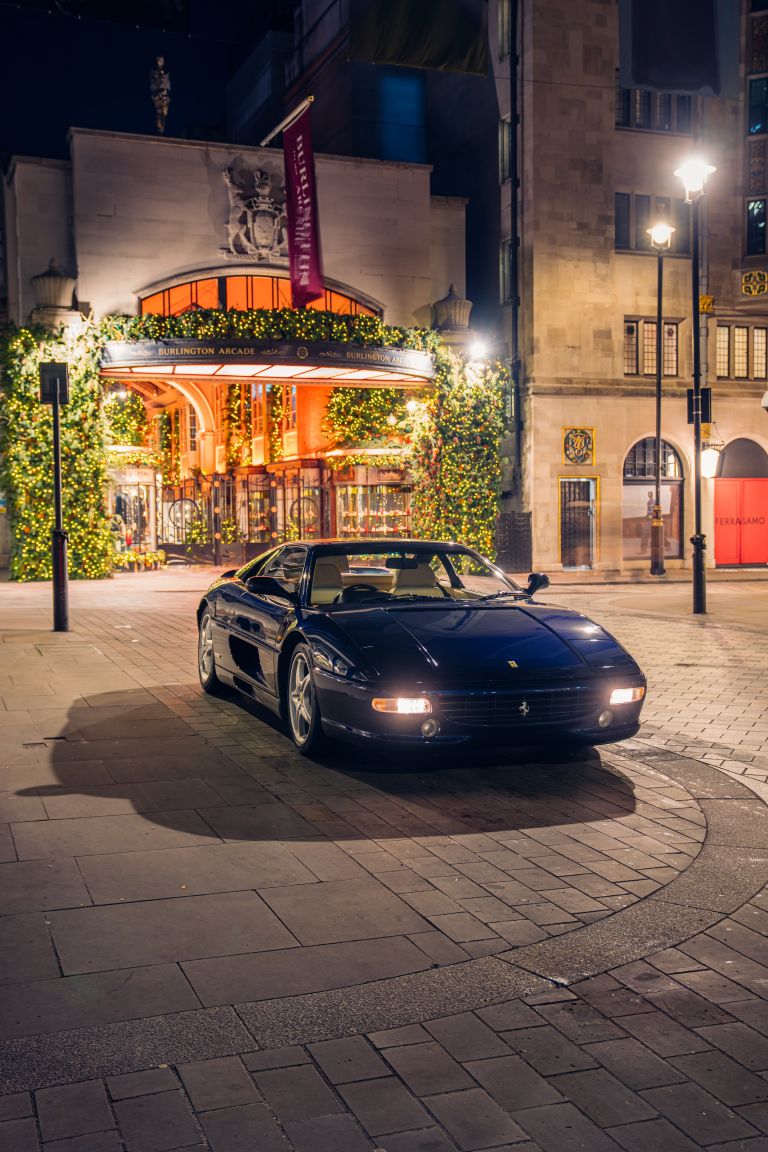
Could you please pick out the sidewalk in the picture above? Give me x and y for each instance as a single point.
(210, 943)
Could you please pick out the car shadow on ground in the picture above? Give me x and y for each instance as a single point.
(233, 773)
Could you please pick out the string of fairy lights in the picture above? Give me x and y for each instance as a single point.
(449, 439)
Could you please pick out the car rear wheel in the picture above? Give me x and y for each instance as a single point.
(206, 659)
(303, 711)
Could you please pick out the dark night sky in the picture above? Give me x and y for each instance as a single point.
(75, 63)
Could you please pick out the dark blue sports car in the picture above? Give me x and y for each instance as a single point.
(412, 642)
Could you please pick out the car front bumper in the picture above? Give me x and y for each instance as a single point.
(488, 716)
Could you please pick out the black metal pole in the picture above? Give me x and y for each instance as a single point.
(698, 539)
(59, 536)
(657, 524)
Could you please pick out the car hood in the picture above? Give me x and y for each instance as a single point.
(456, 643)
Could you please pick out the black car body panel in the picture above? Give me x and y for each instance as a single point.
(501, 669)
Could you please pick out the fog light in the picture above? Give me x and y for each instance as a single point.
(626, 695)
(430, 727)
(605, 718)
(408, 705)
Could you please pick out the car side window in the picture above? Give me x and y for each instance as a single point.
(287, 566)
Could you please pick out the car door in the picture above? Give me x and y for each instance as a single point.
(262, 620)
(228, 620)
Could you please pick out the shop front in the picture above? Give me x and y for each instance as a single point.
(247, 462)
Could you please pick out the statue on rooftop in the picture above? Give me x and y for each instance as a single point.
(160, 91)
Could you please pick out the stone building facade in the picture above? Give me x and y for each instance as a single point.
(595, 166)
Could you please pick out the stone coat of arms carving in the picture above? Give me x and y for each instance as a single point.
(257, 227)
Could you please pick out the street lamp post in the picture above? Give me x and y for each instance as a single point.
(693, 174)
(661, 239)
(54, 390)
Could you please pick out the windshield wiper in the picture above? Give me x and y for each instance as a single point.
(512, 592)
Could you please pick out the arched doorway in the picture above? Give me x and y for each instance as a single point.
(638, 500)
(741, 504)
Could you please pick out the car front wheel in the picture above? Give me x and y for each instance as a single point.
(206, 660)
(303, 710)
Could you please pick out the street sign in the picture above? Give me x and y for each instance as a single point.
(54, 382)
(706, 406)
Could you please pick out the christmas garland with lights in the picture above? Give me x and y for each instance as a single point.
(237, 418)
(450, 442)
(126, 418)
(455, 454)
(26, 453)
(269, 324)
(169, 454)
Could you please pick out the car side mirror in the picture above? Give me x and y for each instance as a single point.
(536, 582)
(269, 586)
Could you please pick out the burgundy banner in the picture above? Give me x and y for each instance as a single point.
(301, 210)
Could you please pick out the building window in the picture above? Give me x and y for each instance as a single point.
(505, 150)
(756, 227)
(257, 409)
(640, 348)
(638, 499)
(741, 352)
(630, 347)
(653, 111)
(192, 428)
(758, 106)
(635, 213)
(402, 115)
(505, 28)
(505, 271)
(241, 293)
(289, 410)
(723, 348)
(740, 358)
(760, 360)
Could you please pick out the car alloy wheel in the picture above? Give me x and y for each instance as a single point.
(303, 711)
(206, 660)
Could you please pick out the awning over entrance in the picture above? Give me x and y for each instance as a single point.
(323, 363)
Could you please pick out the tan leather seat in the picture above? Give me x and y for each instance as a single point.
(326, 580)
(419, 581)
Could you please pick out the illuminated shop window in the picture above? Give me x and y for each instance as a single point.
(638, 499)
(373, 510)
(242, 293)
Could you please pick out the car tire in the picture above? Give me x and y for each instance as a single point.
(302, 709)
(206, 658)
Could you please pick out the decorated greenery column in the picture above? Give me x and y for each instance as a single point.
(455, 453)
(26, 472)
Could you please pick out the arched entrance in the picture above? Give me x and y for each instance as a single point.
(638, 500)
(741, 504)
(264, 472)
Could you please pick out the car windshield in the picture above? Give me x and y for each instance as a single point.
(349, 575)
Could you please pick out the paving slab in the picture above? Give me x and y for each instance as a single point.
(38, 840)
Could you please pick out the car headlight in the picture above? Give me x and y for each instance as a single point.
(627, 695)
(405, 705)
(330, 661)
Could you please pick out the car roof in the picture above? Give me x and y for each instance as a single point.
(394, 542)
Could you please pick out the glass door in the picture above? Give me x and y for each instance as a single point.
(577, 523)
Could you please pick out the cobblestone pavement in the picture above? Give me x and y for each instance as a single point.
(208, 942)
